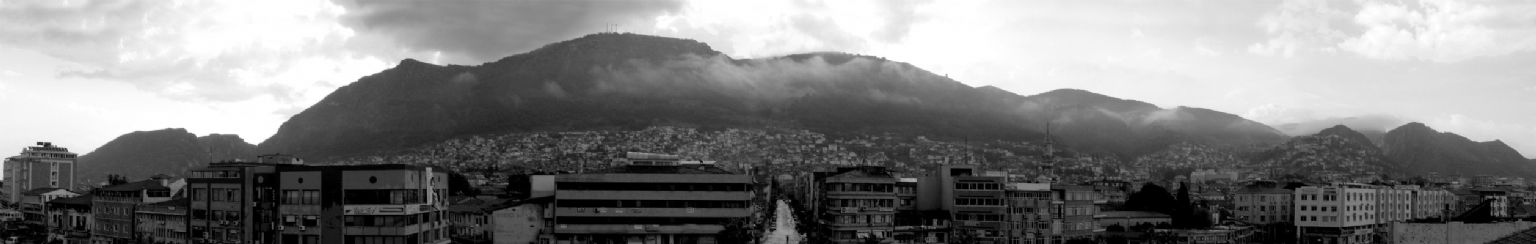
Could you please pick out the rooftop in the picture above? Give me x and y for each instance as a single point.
(1131, 214)
(150, 184)
(81, 200)
(680, 169)
(40, 191)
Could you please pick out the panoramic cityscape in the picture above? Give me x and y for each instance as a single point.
(767, 121)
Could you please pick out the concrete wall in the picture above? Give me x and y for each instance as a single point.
(1455, 232)
(516, 225)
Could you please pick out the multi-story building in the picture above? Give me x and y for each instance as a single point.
(1341, 213)
(913, 225)
(162, 222)
(975, 199)
(33, 201)
(650, 198)
(1073, 209)
(234, 201)
(42, 166)
(1394, 204)
(1029, 214)
(386, 203)
(1263, 203)
(70, 219)
(114, 206)
(277, 199)
(858, 203)
(1433, 203)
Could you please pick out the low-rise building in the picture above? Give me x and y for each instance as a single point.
(114, 206)
(163, 222)
(70, 219)
(33, 201)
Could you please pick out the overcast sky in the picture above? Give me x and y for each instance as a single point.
(80, 73)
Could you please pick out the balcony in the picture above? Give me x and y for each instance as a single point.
(636, 229)
(652, 212)
(653, 195)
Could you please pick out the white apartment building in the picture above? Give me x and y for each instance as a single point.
(1342, 213)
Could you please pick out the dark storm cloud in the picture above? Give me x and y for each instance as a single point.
(484, 30)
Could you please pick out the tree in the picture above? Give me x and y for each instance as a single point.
(459, 185)
(1151, 198)
(115, 179)
(736, 231)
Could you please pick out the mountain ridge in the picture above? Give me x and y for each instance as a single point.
(618, 81)
(173, 151)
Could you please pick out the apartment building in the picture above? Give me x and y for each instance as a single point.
(162, 222)
(41, 166)
(1432, 203)
(277, 199)
(650, 198)
(1263, 203)
(114, 207)
(976, 201)
(859, 203)
(384, 203)
(33, 201)
(1073, 208)
(235, 201)
(1029, 215)
(70, 219)
(1341, 213)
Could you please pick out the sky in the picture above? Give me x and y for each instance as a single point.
(80, 73)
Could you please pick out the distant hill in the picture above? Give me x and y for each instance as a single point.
(1420, 150)
(1336, 149)
(629, 82)
(141, 154)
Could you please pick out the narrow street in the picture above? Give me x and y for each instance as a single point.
(783, 227)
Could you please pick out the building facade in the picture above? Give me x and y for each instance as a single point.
(975, 199)
(70, 219)
(1072, 212)
(1263, 204)
(859, 203)
(1029, 215)
(41, 166)
(162, 222)
(33, 201)
(650, 198)
(114, 207)
(1339, 213)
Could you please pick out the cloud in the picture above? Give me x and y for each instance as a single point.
(1425, 30)
(197, 50)
(1298, 26)
(765, 27)
(479, 31)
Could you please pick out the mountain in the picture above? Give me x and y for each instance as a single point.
(1092, 122)
(1337, 149)
(1372, 126)
(1420, 150)
(141, 154)
(629, 82)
